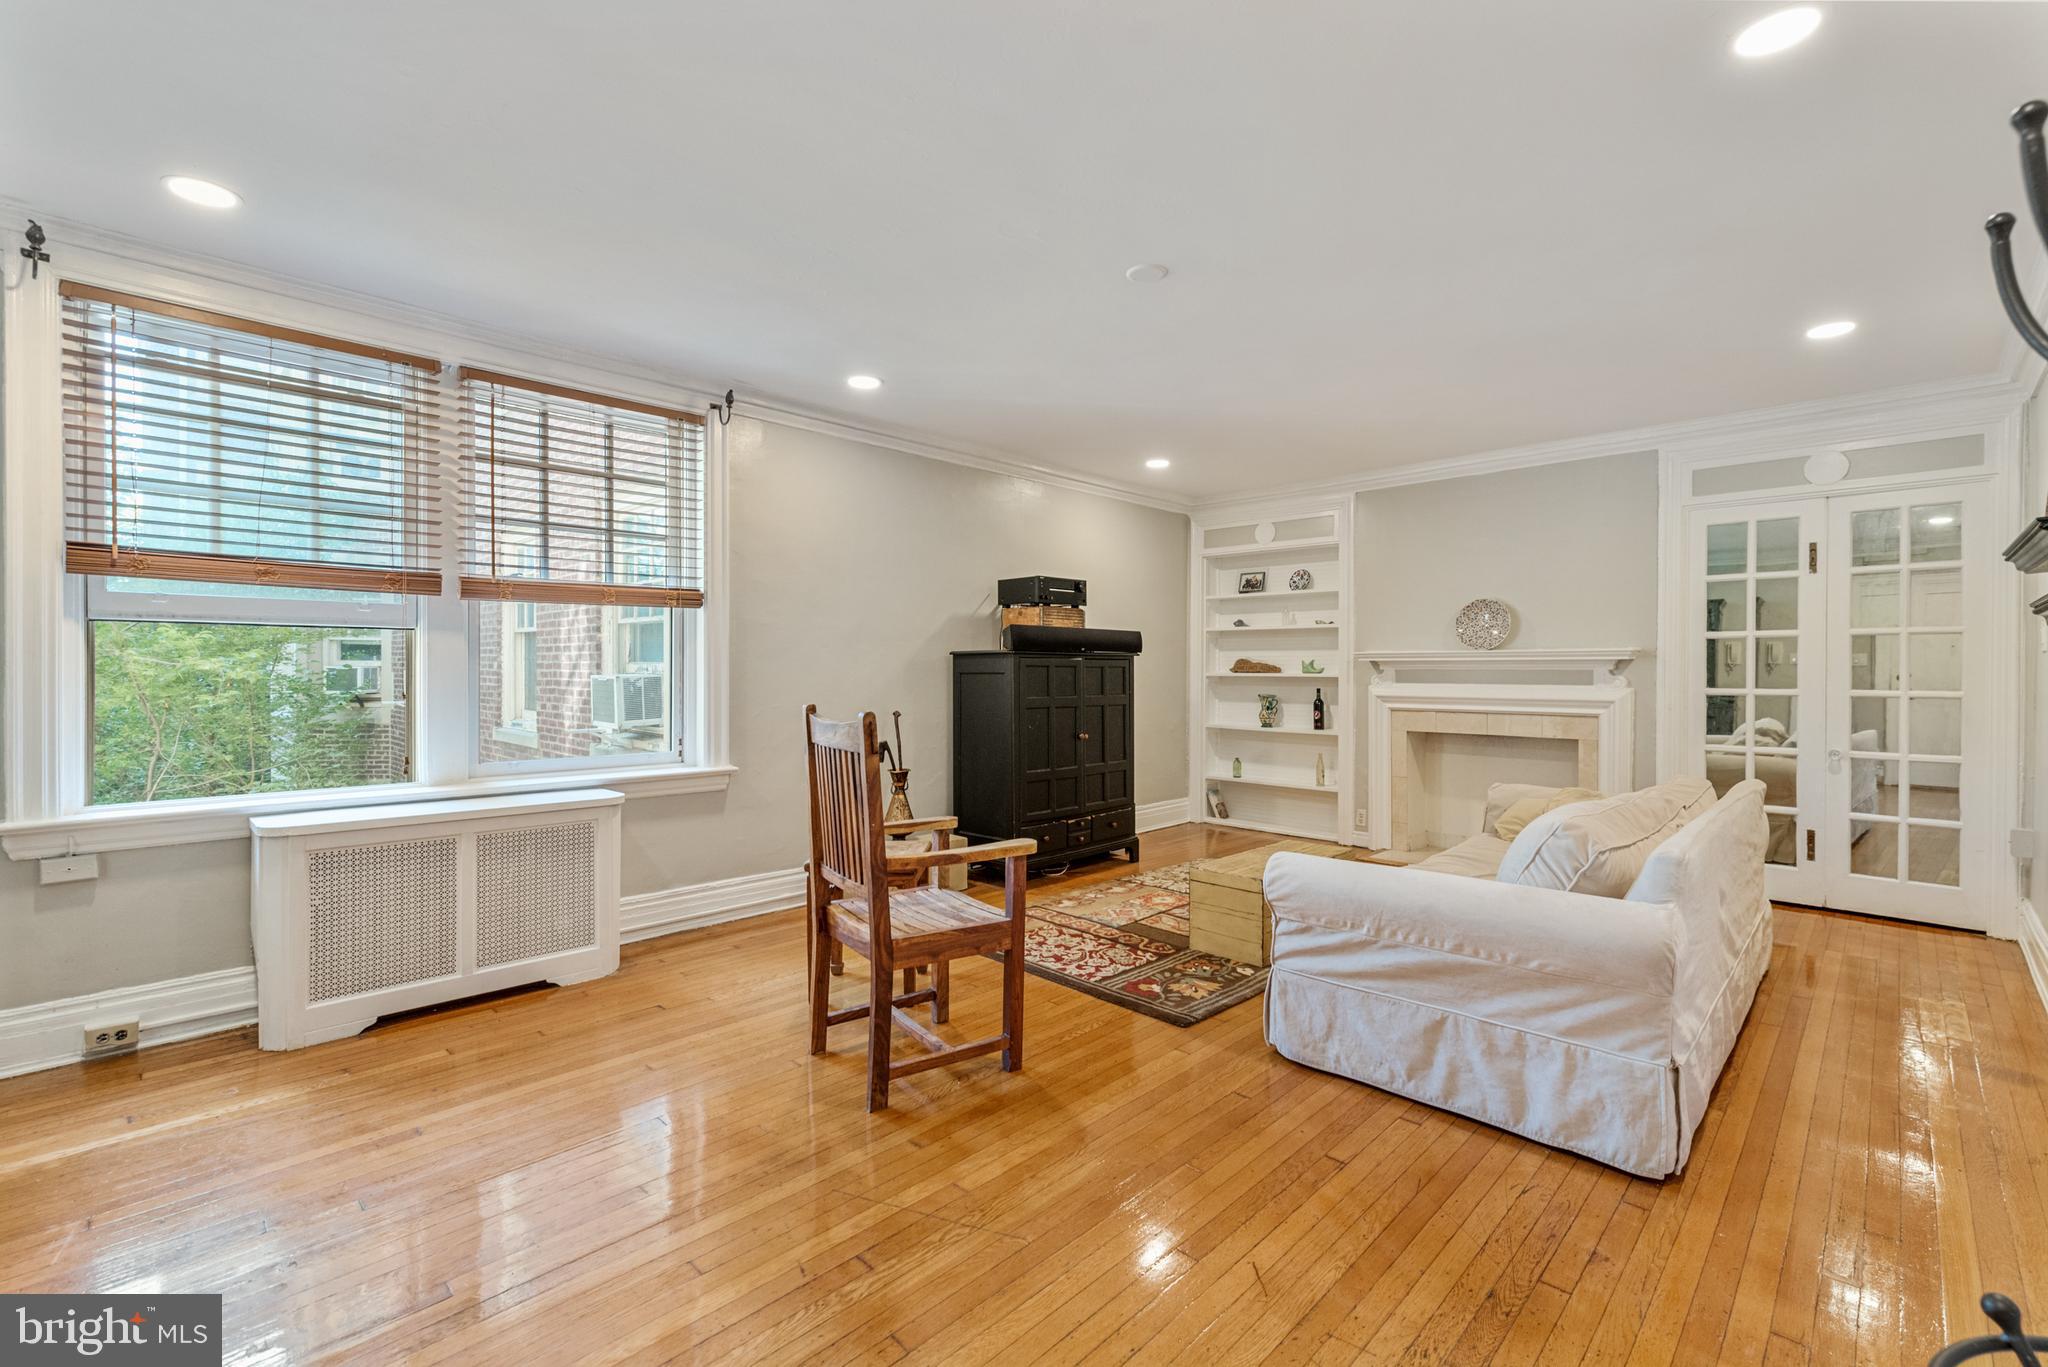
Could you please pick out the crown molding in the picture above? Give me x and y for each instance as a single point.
(699, 391)
(1987, 394)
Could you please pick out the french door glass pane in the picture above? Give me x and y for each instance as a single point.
(1936, 725)
(1868, 791)
(1777, 544)
(1728, 548)
(1726, 768)
(1727, 605)
(1874, 600)
(1874, 662)
(1933, 854)
(1937, 532)
(1937, 599)
(1873, 722)
(1728, 663)
(1726, 712)
(1781, 710)
(1777, 604)
(1874, 537)
(1783, 848)
(1937, 661)
(1936, 790)
(1874, 849)
(1777, 662)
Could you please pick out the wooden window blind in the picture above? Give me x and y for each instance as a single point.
(573, 497)
(203, 447)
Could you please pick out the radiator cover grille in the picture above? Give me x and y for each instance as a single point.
(381, 915)
(535, 892)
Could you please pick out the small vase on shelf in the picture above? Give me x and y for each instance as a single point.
(1236, 768)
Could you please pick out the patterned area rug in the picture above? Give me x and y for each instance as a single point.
(1127, 942)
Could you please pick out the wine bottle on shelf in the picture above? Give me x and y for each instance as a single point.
(1319, 710)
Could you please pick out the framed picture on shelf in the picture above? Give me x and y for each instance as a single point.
(1251, 581)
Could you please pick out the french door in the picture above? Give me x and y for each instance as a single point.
(1841, 647)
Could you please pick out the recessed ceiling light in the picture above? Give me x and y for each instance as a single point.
(1776, 32)
(1157, 463)
(1148, 273)
(204, 193)
(1827, 332)
(862, 382)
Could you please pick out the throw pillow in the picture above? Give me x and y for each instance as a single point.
(1519, 814)
(1599, 847)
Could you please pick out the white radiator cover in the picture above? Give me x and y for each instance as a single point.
(359, 912)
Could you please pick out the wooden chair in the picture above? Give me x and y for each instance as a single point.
(852, 901)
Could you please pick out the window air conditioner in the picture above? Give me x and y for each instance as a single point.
(621, 702)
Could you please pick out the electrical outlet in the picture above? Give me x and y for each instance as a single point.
(68, 868)
(1361, 821)
(112, 1039)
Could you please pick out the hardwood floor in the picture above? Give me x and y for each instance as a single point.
(650, 1168)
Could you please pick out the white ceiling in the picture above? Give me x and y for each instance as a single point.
(1397, 231)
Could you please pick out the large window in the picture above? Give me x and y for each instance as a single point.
(566, 681)
(582, 551)
(259, 613)
(221, 709)
(252, 510)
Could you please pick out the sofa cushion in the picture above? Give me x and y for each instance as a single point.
(1474, 857)
(1517, 817)
(1600, 847)
(1501, 796)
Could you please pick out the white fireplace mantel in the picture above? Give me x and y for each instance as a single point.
(1603, 663)
(1599, 713)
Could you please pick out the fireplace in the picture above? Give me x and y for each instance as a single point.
(1441, 727)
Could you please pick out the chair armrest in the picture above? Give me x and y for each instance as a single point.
(929, 823)
(966, 854)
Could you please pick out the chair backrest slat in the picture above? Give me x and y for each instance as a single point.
(846, 809)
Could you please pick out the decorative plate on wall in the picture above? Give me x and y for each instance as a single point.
(1300, 580)
(1484, 623)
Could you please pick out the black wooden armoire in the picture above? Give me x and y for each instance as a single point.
(1042, 749)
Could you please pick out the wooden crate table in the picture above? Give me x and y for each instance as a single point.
(1227, 909)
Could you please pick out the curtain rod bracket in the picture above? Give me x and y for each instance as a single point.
(724, 410)
(34, 250)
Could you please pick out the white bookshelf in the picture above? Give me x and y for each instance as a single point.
(1274, 787)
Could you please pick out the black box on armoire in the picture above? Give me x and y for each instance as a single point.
(1042, 750)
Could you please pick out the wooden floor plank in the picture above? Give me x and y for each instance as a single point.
(651, 1167)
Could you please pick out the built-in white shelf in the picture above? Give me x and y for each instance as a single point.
(1258, 730)
(1270, 594)
(1298, 785)
(1279, 793)
(1283, 674)
(1271, 549)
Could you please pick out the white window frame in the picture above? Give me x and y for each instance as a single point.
(43, 610)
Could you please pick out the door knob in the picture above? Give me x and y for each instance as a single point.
(1080, 735)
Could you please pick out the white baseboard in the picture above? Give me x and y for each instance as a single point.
(648, 914)
(48, 1034)
(2033, 938)
(1154, 816)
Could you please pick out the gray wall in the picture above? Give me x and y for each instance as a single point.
(2034, 699)
(1572, 548)
(854, 571)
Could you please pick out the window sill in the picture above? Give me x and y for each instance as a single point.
(136, 827)
(517, 735)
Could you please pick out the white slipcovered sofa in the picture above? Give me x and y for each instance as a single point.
(1590, 1021)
